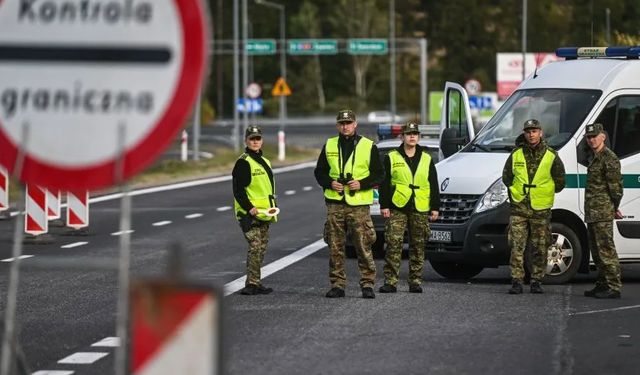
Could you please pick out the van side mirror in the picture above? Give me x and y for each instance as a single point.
(450, 142)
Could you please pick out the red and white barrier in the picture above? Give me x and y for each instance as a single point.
(183, 146)
(78, 209)
(281, 145)
(53, 204)
(177, 332)
(4, 189)
(35, 219)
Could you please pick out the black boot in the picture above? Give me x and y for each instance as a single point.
(516, 287)
(415, 288)
(596, 289)
(368, 293)
(388, 288)
(335, 292)
(249, 290)
(536, 287)
(264, 290)
(608, 294)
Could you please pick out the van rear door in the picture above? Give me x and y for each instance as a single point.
(456, 124)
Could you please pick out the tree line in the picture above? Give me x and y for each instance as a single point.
(463, 39)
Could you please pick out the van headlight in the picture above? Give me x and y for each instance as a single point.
(496, 195)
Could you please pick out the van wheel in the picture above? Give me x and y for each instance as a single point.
(453, 270)
(563, 257)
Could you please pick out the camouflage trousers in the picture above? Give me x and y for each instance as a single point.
(417, 224)
(257, 237)
(343, 220)
(535, 232)
(603, 251)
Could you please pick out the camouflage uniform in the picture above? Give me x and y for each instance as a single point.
(602, 197)
(257, 237)
(419, 231)
(527, 225)
(356, 220)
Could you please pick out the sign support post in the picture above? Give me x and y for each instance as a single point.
(9, 340)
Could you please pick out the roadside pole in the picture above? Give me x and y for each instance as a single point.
(196, 127)
(236, 79)
(423, 81)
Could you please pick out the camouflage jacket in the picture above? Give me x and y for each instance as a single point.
(604, 187)
(533, 156)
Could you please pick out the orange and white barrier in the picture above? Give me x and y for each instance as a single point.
(35, 218)
(78, 209)
(4, 189)
(53, 204)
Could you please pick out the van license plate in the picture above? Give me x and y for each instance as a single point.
(440, 236)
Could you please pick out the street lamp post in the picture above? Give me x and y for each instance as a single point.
(283, 74)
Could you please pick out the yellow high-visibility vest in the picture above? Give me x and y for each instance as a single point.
(260, 192)
(541, 190)
(406, 183)
(358, 168)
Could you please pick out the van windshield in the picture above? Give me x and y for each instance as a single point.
(560, 112)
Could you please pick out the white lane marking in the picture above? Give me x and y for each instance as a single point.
(83, 358)
(606, 310)
(20, 257)
(110, 342)
(289, 192)
(75, 244)
(624, 336)
(205, 181)
(223, 208)
(52, 372)
(193, 216)
(183, 185)
(307, 188)
(161, 223)
(276, 266)
(122, 232)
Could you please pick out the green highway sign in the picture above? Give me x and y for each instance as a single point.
(261, 46)
(313, 47)
(367, 46)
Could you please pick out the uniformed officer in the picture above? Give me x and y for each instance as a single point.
(409, 198)
(533, 173)
(602, 198)
(347, 169)
(254, 195)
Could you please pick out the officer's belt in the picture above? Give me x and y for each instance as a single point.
(413, 187)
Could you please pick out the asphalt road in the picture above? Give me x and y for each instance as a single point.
(453, 328)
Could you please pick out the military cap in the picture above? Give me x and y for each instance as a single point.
(346, 115)
(410, 127)
(253, 131)
(532, 124)
(594, 129)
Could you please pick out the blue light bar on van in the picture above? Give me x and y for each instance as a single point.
(576, 52)
(387, 131)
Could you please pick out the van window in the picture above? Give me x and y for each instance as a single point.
(457, 115)
(621, 121)
(560, 112)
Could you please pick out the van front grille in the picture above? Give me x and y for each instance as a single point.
(456, 208)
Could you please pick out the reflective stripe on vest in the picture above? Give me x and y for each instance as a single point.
(260, 192)
(541, 190)
(358, 168)
(405, 183)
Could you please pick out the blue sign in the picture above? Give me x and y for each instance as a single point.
(252, 105)
(480, 102)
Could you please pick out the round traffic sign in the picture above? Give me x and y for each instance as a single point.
(253, 90)
(472, 86)
(87, 84)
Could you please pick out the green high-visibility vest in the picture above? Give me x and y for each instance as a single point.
(260, 192)
(358, 168)
(405, 183)
(541, 190)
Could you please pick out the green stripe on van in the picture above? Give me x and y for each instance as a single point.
(574, 181)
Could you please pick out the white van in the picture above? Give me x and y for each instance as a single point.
(591, 85)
